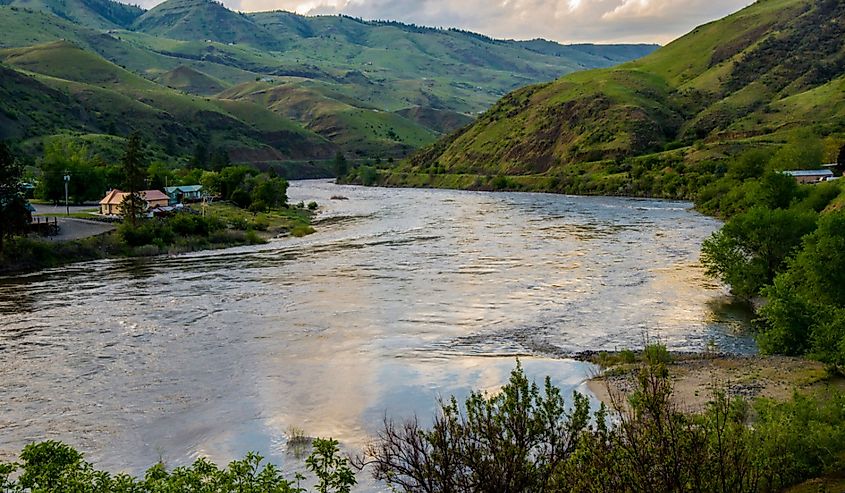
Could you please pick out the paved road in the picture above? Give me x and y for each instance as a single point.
(72, 228)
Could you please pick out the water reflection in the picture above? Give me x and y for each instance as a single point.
(402, 296)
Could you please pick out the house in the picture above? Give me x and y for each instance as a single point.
(837, 168)
(111, 203)
(810, 175)
(184, 193)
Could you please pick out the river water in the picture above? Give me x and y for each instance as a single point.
(400, 297)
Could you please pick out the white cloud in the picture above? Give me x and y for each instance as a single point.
(562, 20)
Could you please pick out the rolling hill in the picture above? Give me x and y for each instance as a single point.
(774, 66)
(58, 88)
(97, 14)
(364, 87)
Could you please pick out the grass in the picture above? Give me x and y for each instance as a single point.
(280, 221)
(243, 228)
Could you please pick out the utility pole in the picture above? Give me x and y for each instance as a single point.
(67, 180)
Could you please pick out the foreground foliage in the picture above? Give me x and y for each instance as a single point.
(55, 467)
(525, 439)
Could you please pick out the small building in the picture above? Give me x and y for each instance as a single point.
(837, 168)
(111, 203)
(810, 175)
(184, 193)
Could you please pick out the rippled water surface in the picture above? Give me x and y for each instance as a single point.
(401, 296)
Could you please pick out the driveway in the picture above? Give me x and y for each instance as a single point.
(75, 229)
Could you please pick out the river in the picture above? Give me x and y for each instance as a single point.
(400, 297)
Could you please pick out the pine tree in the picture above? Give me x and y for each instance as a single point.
(13, 211)
(133, 176)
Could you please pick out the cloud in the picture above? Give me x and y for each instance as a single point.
(561, 20)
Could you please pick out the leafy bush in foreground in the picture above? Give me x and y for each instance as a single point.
(524, 440)
(50, 467)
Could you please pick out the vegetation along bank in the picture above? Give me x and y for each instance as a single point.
(232, 205)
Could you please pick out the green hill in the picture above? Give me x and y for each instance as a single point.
(441, 121)
(773, 66)
(98, 14)
(371, 88)
(59, 88)
(191, 80)
(203, 20)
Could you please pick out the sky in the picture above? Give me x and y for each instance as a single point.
(569, 21)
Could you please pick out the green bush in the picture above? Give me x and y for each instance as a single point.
(522, 439)
(312, 206)
(53, 467)
(241, 198)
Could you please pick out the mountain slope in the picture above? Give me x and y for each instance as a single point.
(77, 91)
(752, 73)
(191, 80)
(96, 14)
(372, 88)
(201, 20)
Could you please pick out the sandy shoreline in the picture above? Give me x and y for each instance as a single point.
(695, 376)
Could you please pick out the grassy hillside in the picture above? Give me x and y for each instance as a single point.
(191, 80)
(772, 67)
(371, 88)
(203, 20)
(98, 14)
(72, 90)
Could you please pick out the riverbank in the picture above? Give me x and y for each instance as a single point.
(695, 376)
(578, 182)
(221, 226)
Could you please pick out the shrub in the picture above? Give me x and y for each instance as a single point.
(241, 198)
(312, 206)
(258, 206)
(512, 441)
(525, 440)
(239, 223)
(300, 230)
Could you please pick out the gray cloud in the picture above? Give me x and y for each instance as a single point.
(600, 21)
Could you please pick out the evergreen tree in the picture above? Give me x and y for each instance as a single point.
(341, 167)
(14, 215)
(200, 157)
(133, 179)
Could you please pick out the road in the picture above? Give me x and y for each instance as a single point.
(72, 228)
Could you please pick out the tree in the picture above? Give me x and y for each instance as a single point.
(210, 182)
(332, 470)
(803, 151)
(750, 164)
(133, 179)
(840, 160)
(219, 159)
(14, 216)
(64, 156)
(341, 167)
(752, 248)
(200, 157)
(232, 178)
(270, 191)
